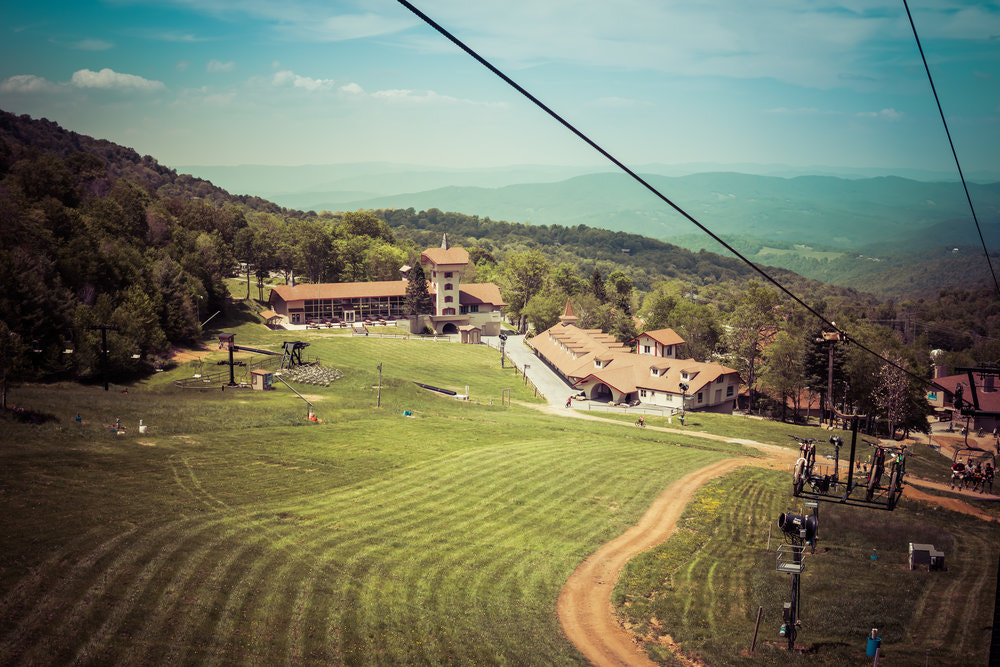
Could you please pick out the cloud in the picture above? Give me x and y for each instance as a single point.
(92, 45)
(401, 95)
(182, 65)
(26, 83)
(215, 66)
(345, 27)
(352, 88)
(109, 79)
(889, 114)
(206, 96)
(802, 111)
(290, 78)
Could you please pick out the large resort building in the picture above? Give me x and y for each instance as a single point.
(457, 307)
(606, 370)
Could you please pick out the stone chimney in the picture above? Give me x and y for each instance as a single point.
(940, 371)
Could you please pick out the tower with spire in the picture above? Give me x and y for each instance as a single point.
(444, 267)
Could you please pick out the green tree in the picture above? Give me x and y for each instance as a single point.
(384, 261)
(566, 279)
(700, 328)
(524, 274)
(13, 360)
(752, 324)
(597, 286)
(656, 309)
(620, 287)
(783, 372)
(365, 223)
(544, 309)
(418, 299)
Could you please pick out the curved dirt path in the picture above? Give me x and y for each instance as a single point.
(584, 605)
(954, 504)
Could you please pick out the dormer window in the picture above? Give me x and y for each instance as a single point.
(684, 375)
(654, 371)
(597, 363)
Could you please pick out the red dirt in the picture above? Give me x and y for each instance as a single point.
(584, 607)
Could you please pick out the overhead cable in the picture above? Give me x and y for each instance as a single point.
(569, 126)
(954, 154)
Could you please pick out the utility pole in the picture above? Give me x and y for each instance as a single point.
(104, 328)
(830, 338)
(378, 400)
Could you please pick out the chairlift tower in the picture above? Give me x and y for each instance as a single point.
(800, 531)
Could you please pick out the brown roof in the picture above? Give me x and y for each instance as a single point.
(442, 256)
(624, 370)
(339, 290)
(473, 293)
(661, 336)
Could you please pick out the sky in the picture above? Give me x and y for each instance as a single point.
(299, 82)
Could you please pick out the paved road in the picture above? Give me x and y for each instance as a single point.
(552, 387)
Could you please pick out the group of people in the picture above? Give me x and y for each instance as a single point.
(972, 473)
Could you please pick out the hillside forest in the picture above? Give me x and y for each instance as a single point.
(93, 234)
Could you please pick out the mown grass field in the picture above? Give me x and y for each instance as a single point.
(704, 584)
(234, 531)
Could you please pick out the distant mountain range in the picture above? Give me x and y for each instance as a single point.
(827, 210)
(850, 227)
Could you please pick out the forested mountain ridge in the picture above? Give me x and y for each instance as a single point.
(93, 234)
(840, 212)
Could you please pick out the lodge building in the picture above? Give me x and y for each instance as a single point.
(469, 308)
(606, 370)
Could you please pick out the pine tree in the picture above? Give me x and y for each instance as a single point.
(418, 299)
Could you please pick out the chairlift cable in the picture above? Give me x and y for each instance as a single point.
(583, 137)
(951, 143)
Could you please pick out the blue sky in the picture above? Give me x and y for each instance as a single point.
(794, 82)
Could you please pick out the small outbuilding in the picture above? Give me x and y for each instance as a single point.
(470, 334)
(261, 380)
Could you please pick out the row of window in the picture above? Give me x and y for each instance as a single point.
(700, 397)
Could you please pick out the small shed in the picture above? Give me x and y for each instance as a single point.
(926, 554)
(261, 380)
(272, 318)
(471, 335)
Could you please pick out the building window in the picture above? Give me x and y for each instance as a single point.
(670, 351)
(447, 274)
(646, 349)
(449, 299)
(700, 399)
(642, 392)
(448, 311)
(654, 371)
(729, 390)
(449, 286)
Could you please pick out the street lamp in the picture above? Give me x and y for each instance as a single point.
(684, 388)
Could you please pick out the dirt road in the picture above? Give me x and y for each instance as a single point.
(584, 607)
(585, 602)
